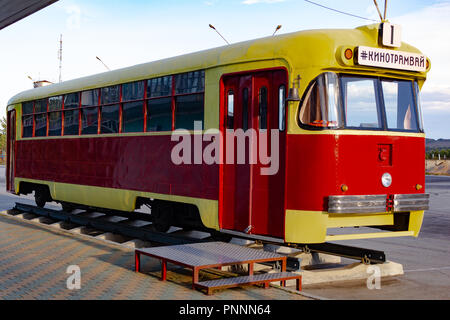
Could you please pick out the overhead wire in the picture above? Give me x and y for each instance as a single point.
(339, 11)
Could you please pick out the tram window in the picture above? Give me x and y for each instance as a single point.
(419, 105)
(281, 108)
(54, 123)
(27, 107)
(321, 106)
(27, 126)
(89, 120)
(110, 94)
(159, 87)
(54, 103)
(262, 98)
(159, 114)
(361, 107)
(110, 119)
(230, 111)
(245, 109)
(71, 122)
(188, 109)
(71, 100)
(27, 119)
(399, 104)
(133, 117)
(40, 125)
(133, 91)
(40, 106)
(190, 82)
(89, 98)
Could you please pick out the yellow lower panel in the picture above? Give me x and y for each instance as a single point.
(368, 235)
(360, 220)
(415, 222)
(120, 199)
(305, 226)
(311, 226)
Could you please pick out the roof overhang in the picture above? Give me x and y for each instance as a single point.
(12, 11)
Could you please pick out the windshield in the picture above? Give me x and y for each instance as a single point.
(334, 102)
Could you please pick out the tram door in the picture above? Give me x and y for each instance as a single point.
(10, 150)
(253, 178)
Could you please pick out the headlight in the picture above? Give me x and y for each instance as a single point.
(386, 180)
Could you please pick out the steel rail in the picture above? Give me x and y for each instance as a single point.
(108, 226)
(365, 255)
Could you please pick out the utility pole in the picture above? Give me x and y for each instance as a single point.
(212, 27)
(60, 58)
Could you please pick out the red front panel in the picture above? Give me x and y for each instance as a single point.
(318, 165)
(133, 163)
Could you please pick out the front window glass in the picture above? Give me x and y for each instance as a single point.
(360, 103)
(320, 106)
(369, 103)
(399, 104)
(419, 105)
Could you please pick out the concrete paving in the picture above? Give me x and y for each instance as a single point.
(37, 263)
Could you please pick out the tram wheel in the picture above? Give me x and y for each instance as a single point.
(41, 196)
(161, 217)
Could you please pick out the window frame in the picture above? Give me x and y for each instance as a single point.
(41, 113)
(150, 98)
(381, 108)
(89, 107)
(175, 95)
(414, 99)
(77, 108)
(99, 104)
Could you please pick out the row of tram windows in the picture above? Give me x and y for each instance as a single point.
(158, 104)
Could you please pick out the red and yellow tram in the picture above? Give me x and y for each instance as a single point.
(343, 104)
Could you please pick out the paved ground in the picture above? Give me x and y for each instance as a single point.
(34, 261)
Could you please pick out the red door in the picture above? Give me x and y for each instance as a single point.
(253, 106)
(10, 150)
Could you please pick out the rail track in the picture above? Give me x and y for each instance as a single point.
(139, 226)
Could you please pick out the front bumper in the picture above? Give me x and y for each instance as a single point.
(378, 203)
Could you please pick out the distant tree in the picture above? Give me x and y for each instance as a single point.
(3, 134)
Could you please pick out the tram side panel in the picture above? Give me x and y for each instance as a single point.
(138, 163)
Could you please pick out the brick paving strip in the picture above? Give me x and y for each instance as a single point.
(34, 258)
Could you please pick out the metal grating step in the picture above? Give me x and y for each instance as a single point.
(264, 278)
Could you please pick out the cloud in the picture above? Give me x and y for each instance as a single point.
(210, 2)
(427, 30)
(73, 21)
(261, 1)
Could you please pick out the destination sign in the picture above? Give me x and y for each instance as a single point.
(392, 59)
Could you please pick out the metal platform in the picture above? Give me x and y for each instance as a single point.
(198, 256)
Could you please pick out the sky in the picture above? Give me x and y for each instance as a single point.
(126, 33)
